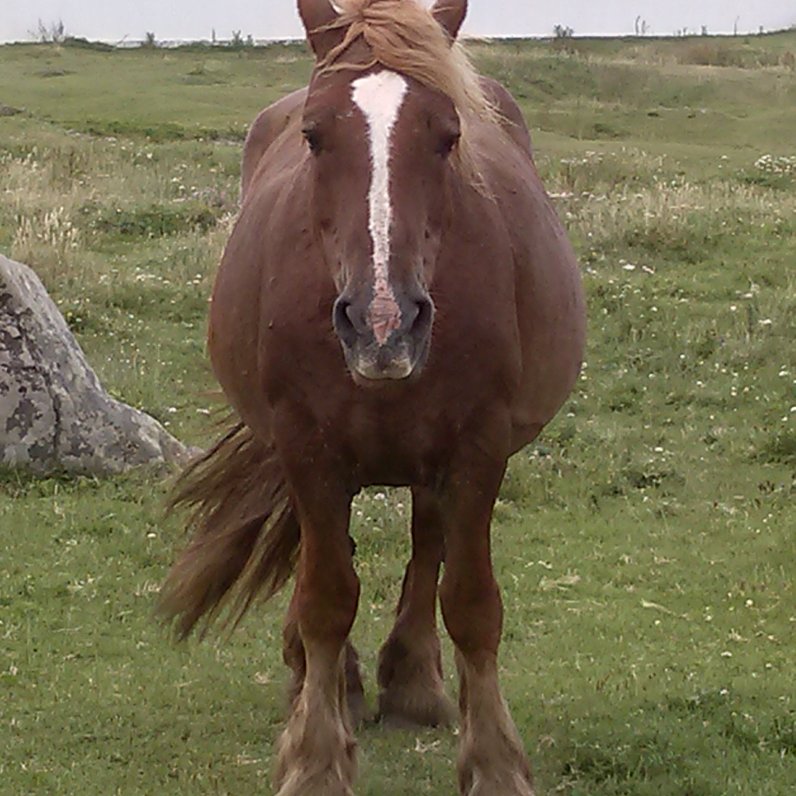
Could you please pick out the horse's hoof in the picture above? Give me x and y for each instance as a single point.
(302, 775)
(414, 705)
(496, 780)
(501, 771)
(518, 787)
(411, 688)
(324, 785)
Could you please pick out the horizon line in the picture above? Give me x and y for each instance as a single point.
(293, 38)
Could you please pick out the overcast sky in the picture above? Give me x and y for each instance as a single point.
(113, 20)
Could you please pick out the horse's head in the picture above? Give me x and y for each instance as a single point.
(380, 143)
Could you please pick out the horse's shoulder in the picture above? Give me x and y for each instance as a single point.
(513, 120)
(269, 124)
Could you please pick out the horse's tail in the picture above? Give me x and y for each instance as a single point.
(245, 534)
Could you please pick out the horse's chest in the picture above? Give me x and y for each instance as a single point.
(396, 447)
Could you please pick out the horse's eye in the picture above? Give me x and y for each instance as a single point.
(313, 138)
(447, 143)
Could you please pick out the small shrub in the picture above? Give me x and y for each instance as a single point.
(50, 33)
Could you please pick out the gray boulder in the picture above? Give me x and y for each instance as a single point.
(54, 413)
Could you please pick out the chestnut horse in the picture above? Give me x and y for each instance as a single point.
(398, 304)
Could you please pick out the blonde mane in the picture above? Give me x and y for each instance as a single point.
(403, 36)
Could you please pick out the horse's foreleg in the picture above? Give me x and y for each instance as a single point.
(492, 761)
(411, 688)
(316, 751)
(293, 655)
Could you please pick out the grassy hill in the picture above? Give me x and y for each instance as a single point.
(645, 545)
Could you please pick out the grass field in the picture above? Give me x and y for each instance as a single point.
(646, 545)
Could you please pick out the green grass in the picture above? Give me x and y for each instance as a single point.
(645, 545)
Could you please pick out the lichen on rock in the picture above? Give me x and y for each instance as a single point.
(54, 413)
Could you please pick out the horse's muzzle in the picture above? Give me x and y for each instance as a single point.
(384, 342)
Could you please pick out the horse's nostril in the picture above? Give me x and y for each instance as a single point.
(421, 323)
(343, 319)
(353, 323)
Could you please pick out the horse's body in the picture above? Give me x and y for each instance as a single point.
(429, 374)
(506, 283)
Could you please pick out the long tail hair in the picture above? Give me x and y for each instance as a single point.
(244, 534)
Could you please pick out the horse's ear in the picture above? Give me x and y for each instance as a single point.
(450, 14)
(317, 14)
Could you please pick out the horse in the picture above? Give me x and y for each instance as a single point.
(398, 304)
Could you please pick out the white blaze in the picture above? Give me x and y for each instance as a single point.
(380, 96)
